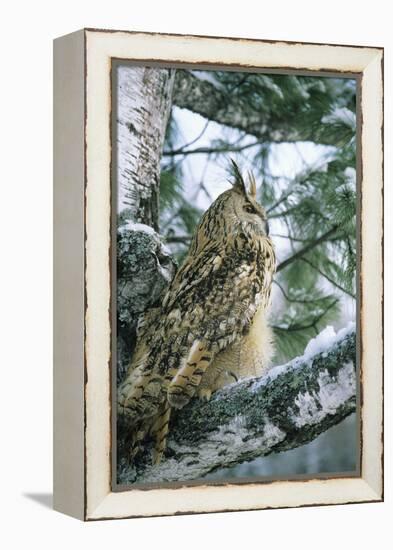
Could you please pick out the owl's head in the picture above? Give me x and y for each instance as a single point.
(235, 210)
(244, 202)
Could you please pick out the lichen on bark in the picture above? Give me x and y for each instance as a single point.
(144, 269)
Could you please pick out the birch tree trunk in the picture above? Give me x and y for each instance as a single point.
(143, 105)
(144, 96)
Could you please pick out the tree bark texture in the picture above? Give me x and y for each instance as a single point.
(288, 407)
(144, 269)
(144, 99)
(203, 97)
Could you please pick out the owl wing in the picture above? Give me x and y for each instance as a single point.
(208, 305)
(216, 298)
(210, 302)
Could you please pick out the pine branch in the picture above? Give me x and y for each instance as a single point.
(174, 152)
(300, 253)
(183, 239)
(229, 148)
(334, 283)
(252, 418)
(312, 324)
(290, 237)
(294, 300)
(206, 99)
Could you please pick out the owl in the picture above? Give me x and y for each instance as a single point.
(211, 327)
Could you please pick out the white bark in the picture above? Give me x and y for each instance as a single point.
(143, 106)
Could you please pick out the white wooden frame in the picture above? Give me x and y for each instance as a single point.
(82, 419)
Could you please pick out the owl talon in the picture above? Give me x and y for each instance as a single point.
(177, 399)
(156, 457)
(205, 394)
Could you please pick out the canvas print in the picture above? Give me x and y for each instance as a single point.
(234, 275)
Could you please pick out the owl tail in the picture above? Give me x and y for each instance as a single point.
(185, 381)
(159, 431)
(140, 396)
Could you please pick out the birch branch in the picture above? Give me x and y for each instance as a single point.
(287, 408)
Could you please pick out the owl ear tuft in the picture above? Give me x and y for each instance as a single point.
(238, 183)
(253, 185)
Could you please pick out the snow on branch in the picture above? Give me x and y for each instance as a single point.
(287, 408)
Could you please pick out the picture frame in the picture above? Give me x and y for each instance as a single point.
(83, 273)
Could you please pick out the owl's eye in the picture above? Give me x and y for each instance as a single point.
(248, 208)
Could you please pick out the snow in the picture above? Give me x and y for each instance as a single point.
(350, 173)
(320, 342)
(325, 340)
(141, 227)
(130, 226)
(343, 188)
(341, 115)
(209, 76)
(165, 250)
(313, 407)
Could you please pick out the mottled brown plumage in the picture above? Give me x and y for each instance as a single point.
(211, 327)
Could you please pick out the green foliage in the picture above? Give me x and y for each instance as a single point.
(314, 210)
(305, 312)
(306, 104)
(322, 202)
(171, 189)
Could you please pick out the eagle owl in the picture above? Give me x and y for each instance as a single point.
(211, 327)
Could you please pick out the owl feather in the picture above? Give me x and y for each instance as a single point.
(186, 345)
